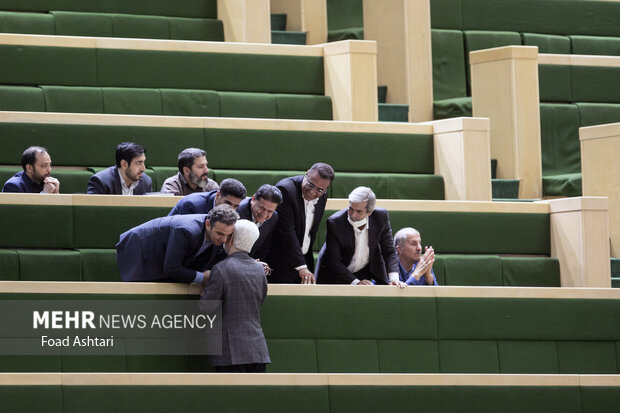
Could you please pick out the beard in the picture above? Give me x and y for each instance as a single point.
(199, 181)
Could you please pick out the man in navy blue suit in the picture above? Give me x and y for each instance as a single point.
(36, 176)
(180, 248)
(261, 210)
(231, 193)
(127, 177)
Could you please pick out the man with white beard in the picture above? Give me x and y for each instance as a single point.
(192, 176)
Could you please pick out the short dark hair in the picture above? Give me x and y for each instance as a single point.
(29, 157)
(126, 151)
(324, 170)
(187, 157)
(224, 214)
(230, 186)
(269, 193)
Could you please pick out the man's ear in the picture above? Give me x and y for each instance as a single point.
(124, 164)
(186, 171)
(29, 168)
(207, 225)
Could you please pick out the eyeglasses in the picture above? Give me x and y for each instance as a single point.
(313, 186)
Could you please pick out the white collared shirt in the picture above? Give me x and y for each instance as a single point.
(361, 256)
(309, 205)
(127, 190)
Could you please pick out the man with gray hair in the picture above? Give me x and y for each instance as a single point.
(359, 248)
(192, 176)
(413, 267)
(239, 282)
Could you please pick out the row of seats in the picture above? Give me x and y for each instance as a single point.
(537, 331)
(253, 156)
(67, 23)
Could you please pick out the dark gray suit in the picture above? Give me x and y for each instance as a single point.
(339, 248)
(262, 244)
(109, 182)
(240, 282)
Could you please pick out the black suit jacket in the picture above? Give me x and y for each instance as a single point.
(263, 243)
(109, 182)
(196, 203)
(285, 253)
(340, 246)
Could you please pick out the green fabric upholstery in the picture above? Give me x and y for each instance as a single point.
(278, 21)
(504, 188)
(476, 270)
(161, 173)
(9, 265)
(566, 185)
(53, 265)
(256, 105)
(284, 37)
(52, 223)
(303, 107)
(61, 141)
(100, 227)
(547, 43)
(559, 132)
(598, 113)
(528, 357)
(292, 356)
(615, 267)
(452, 108)
(456, 398)
(21, 98)
(150, 27)
(89, 363)
(253, 149)
(446, 14)
(512, 319)
(196, 29)
(392, 112)
(253, 179)
(276, 399)
(535, 16)
(595, 45)
(32, 398)
(99, 265)
(30, 363)
(390, 186)
(191, 8)
(347, 356)
(73, 99)
(481, 356)
(599, 399)
(31, 23)
(554, 83)
(215, 71)
(587, 357)
(132, 101)
(530, 271)
(449, 74)
(70, 23)
(185, 102)
(166, 363)
(36, 65)
(595, 84)
(439, 269)
(345, 20)
(404, 356)
(72, 181)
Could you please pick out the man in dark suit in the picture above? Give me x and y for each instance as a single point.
(359, 248)
(261, 210)
(181, 248)
(231, 193)
(36, 175)
(127, 177)
(303, 203)
(241, 285)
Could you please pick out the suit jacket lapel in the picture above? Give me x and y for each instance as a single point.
(118, 189)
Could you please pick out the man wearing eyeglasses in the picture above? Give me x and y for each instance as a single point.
(303, 203)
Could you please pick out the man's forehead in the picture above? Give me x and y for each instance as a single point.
(221, 227)
(199, 161)
(42, 157)
(414, 237)
(358, 205)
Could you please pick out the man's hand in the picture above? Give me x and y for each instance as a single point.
(398, 283)
(428, 275)
(51, 185)
(306, 277)
(206, 274)
(265, 267)
(364, 282)
(425, 264)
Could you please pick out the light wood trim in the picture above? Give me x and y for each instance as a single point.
(69, 287)
(304, 379)
(7, 198)
(554, 59)
(216, 123)
(579, 60)
(157, 44)
(460, 124)
(590, 203)
(496, 54)
(599, 131)
(132, 201)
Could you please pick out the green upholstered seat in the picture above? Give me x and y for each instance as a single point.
(554, 83)
(547, 43)
(449, 75)
(9, 265)
(505, 188)
(452, 108)
(530, 271)
(595, 84)
(598, 113)
(345, 20)
(288, 37)
(99, 265)
(392, 112)
(30, 23)
(49, 265)
(595, 45)
(22, 98)
(562, 184)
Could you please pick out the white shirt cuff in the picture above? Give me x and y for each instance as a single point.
(394, 276)
(301, 267)
(355, 282)
(199, 277)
